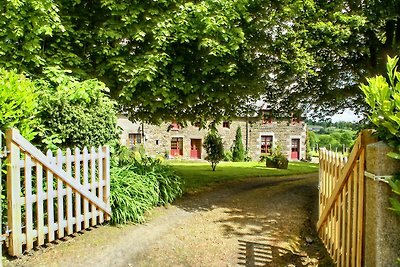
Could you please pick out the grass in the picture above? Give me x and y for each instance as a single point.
(198, 175)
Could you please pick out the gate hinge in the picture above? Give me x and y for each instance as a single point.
(379, 178)
(4, 153)
(4, 237)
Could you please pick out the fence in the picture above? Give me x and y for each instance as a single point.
(51, 196)
(341, 202)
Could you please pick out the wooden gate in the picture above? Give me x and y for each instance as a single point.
(49, 196)
(341, 202)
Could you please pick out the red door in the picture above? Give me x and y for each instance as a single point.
(295, 151)
(176, 146)
(195, 148)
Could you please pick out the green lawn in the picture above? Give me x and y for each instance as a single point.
(198, 175)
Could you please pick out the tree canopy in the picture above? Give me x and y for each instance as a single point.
(207, 59)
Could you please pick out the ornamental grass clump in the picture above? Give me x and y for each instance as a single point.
(139, 183)
(132, 195)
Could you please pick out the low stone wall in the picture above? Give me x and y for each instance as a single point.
(382, 226)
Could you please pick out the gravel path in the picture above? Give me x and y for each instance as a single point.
(254, 222)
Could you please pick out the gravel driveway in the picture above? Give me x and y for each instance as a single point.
(253, 222)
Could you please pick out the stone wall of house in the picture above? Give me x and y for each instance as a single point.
(157, 139)
(127, 127)
(282, 133)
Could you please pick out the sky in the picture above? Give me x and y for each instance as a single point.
(347, 115)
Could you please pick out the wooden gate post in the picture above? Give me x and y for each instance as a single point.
(13, 195)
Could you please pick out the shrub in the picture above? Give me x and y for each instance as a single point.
(308, 149)
(276, 159)
(238, 152)
(130, 175)
(227, 155)
(18, 103)
(75, 113)
(132, 195)
(383, 96)
(214, 148)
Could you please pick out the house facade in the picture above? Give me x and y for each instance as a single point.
(258, 135)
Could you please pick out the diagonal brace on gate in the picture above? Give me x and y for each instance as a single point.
(19, 140)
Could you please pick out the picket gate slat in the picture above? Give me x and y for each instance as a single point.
(93, 182)
(78, 225)
(106, 172)
(60, 198)
(50, 200)
(57, 188)
(85, 169)
(28, 203)
(39, 204)
(70, 217)
(100, 191)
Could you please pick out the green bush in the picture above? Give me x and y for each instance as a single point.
(131, 174)
(132, 195)
(383, 96)
(227, 155)
(276, 159)
(75, 113)
(18, 104)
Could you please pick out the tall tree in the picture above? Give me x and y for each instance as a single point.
(314, 53)
(196, 60)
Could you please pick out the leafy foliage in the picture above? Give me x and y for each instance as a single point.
(18, 103)
(171, 59)
(214, 148)
(238, 151)
(132, 195)
(138, 183)
(276, 159)
(383, 96)
(26, 25)
(75, 113)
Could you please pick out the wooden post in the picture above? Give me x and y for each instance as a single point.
(13, 195)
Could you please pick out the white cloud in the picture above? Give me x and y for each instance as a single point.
(347, 115)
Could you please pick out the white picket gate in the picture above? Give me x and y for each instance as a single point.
(51, 196)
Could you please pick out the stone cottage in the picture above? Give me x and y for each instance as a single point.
(259, 136)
